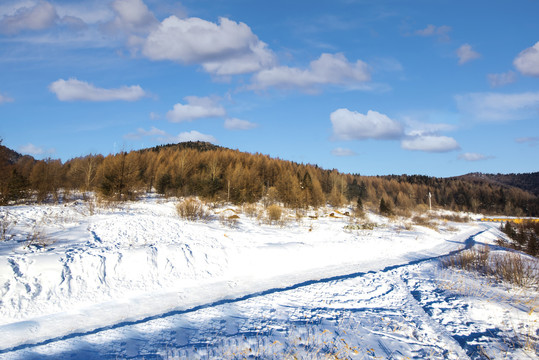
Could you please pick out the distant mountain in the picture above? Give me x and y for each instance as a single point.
(527, 181)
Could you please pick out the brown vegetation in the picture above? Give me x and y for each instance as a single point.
(218, 174)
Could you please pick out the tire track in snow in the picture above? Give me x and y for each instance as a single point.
(272, 290)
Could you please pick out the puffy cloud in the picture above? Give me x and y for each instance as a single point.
(5, 99)
(237, 124)
(430, 143)
(132, 16)
(473, 157)
(193, 136)
(502, 79)
(465, 53)
(527, 62)
(343, 152)
(328, 69)
(38, 17)
(34, 150)
(140, 133)
(73, 90)
(351, 125)
(499, 107)
(227, 48)
(196, 108)
(431, 30)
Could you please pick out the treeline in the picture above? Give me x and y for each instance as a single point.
(526, 181)
(221, 174)
(525, 236)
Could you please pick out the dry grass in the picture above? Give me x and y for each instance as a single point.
(426, 221)
(229, 220)
(274, 213)
(456, 218)
(192, 209)
(510, 267)
(7, 222)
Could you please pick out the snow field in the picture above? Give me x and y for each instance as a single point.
(139, 281)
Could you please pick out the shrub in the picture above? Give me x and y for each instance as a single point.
(510, 267)
(192, 209)
(424, 221)
(7, 222)
(274, 213)
(229, 220)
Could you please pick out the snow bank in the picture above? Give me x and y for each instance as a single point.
(140, 260)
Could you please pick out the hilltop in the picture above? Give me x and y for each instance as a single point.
(220, 174)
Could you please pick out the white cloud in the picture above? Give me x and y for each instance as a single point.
(237, 124)
(499, 107)
(497, 80)
(132, 16)
(343, 152)
(465, 54)
(192, 136)
(420, 128)
(140, 133)
(5, 99)
(34, 150)
(227, 48)
(527, 62)
(73, 90)
(531, 140)
(473, 157)
(430, 143)
(38, 17)
(196, 108)
(351, 125)
(328, 69)
(431, 30)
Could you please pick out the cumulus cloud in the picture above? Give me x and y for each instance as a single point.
(193, 136)
(238, 124)
(5, 99)
(431, 30)
(497, 80)
(430, 143)
(34, 150)
(465, 54)
(140, 133)
(196, 108)
(343, 152)
(132, 16)
(351, 125)
(74, 90)
(473, 157)
(527, 62)
(226, 48)
(499, 107)
(38, 17)
(328, 69)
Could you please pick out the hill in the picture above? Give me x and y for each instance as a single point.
(218, 174)
(527, 181)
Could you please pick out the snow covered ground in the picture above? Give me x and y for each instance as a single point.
(135, 280)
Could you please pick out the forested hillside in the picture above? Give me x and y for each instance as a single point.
(528, 181)
(220, 174)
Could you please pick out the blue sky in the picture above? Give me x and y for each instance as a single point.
(374, 87)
